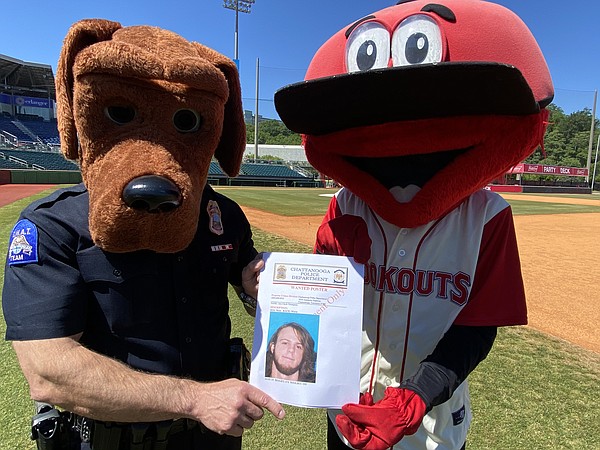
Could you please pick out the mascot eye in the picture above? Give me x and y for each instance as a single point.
(368, 48)
(417, 40)
(187, 121)
(120, 114)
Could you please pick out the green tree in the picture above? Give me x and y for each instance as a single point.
(272, 132)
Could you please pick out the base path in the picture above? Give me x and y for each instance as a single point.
(559, 259)
(10, 193)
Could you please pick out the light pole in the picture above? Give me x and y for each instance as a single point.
(238, 6)
(595, 163)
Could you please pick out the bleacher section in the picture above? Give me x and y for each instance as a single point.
(37, 160)
(269, 171)
(215, 170)
(251, 174)
(7, 125)
(41, 131)
(46, 131)
(8, 164)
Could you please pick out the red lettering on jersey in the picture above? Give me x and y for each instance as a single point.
(424, 286)
(406, 281)
(424, 283)
(385, 279)
(373, 274)
(462, 282)
(443, 278)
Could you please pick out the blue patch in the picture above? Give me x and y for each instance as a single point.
(23, 246)
(458, 416)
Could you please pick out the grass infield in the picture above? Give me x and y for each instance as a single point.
(532, 392)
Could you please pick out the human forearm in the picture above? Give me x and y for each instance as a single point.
(96, 386)
(62, 372)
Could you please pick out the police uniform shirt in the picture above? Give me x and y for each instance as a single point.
(161, 313)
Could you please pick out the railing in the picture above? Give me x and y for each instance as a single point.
(18, 161)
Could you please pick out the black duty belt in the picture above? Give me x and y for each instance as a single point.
(134, 436)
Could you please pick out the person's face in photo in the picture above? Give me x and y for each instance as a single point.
(288, 351)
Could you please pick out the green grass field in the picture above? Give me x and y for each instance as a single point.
(532, 392)
(314, 201)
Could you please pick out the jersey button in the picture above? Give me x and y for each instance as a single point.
(393, 346)
(188, 340)
(402, 252)
(388, 382)
(403, 231)
(183, 300)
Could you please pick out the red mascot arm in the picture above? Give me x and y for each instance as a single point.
(344, 236)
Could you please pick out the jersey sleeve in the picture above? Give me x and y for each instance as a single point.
(44, 299)
(343, 235)
(498, 295)
(322, 241)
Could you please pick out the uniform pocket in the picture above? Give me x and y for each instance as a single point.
(125, 287)
(96, 265)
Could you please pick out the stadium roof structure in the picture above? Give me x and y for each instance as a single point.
(26, 78)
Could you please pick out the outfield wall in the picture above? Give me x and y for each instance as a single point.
(534, 189)
(39, 176)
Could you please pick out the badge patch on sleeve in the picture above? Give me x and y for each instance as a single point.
(23, 246)
(458, 417)
(214, 214)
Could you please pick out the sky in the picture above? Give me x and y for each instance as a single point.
(281, 37)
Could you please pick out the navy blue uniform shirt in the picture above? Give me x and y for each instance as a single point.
(161, 313)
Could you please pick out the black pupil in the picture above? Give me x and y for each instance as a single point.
(185, 120)
(367, 55)
(121, 114)
(417, 47)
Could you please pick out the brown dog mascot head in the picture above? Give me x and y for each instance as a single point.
(143, 111)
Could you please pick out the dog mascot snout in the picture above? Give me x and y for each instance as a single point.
(152, 194)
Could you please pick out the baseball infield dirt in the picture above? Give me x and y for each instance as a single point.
(560, 259)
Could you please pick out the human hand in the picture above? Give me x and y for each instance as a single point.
(380, 425)
(231, 406)
(345, 235)
(251, 275)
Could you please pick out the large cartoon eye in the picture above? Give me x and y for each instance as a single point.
(368, 48)
(120, 114)
(417, 40)
(187, 121)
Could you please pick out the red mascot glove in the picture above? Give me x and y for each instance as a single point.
(345, 235)
(378, 426)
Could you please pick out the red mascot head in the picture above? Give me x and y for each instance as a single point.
(446, 96)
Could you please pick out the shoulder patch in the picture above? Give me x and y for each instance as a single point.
(23, 244)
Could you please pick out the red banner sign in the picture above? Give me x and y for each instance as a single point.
(542, 169)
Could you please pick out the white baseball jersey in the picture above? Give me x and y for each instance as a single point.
(461, 269)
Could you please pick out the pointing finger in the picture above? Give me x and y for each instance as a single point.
(263, 400)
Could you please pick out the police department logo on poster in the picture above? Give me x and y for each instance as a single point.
(310, 274)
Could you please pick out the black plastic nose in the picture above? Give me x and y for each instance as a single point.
(152, 193)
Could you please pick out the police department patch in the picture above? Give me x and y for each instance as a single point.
(23, 246)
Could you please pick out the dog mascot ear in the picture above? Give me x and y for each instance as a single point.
(232, 145)
(81, 35)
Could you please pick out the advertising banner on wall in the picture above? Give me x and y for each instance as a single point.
(21, 100)
(541, 169)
